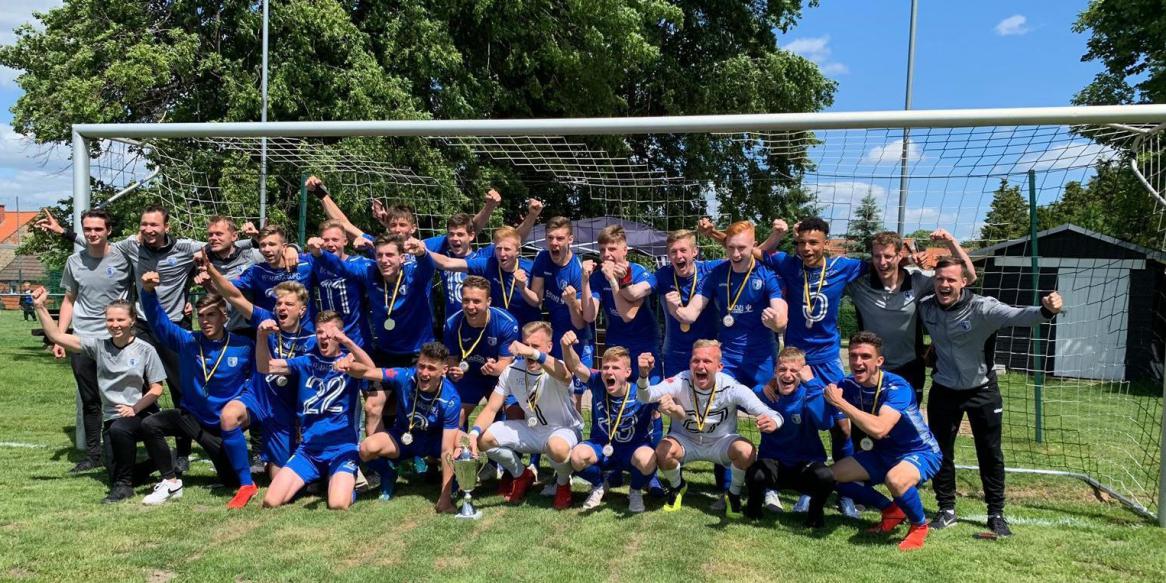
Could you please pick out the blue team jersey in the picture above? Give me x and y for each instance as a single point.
(280, 401)
(678, 343)
(747, 337)
(505, 293)
(820, 339)
(259, 281)
(229, 362)
(639, 335)
(430, 413)
(635, 424)
(910, 434)
(337, 291)
(797, 440)
(411, 313)
(480, 344)
(328, 400)
(452, 280)
(556, 278)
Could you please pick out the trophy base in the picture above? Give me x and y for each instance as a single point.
(470, 513)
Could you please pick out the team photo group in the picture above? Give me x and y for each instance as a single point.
(337, 364)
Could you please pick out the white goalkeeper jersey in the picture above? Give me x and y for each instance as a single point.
(540, 395)
(702, 418)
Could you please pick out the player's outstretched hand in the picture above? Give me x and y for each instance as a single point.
(48, 223)
(150, 280)
(268, 326)
(1053, 302)
(569, 339)
(646, 362)
(766, 424)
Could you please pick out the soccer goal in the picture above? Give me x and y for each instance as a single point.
(1072, 199)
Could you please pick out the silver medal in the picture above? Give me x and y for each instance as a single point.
(727, 320)
(608, 450)
(532, 422)
(390, 324)
(866, 444)
(464, 366)
(281, 381)
(407, 439)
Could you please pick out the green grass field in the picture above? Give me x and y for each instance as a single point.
(52, 526)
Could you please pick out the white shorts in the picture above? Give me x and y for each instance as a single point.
(515, 434)
(699, 448)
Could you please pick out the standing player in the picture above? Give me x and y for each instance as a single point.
(896, 448)
(222, 234)
(631, 325)
(746, 297)
(792, 458)
(542, 386)
(267, 400)
(215, 367)
(710, 399)
(93, 278)
(963, 329)
(478, 339)
(506, 271)
(886, 302)
(327, 400)
(621, 426)
(426, 425)
(258, 281)
(335, 289)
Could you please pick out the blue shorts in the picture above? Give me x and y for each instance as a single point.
(310, 466)
(828, 372)
(277, 444)
(620, 458)
(749, 370)
(878, 463)
(424, 445)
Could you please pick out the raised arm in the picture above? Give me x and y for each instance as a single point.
(534, 208)
(447, 263)
(571, 358)
(553, 366)
(953, 247)
(220, 283)
(55, 335)
(489, 205)
(1001, 315)
(169, 333)
(263, 361)
(331, 209)
(776, 234)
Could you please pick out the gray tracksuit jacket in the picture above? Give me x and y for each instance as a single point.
(964, 335)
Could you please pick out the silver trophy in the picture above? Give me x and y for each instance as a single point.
(465, 469)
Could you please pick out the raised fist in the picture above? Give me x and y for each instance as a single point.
(645, 363)
(942, 235)
(766, 424)
(667, 406)
(833, 394)
(588, 267)
(268, 326)
(705, 226)
(780, 227)
(492, 197)
(521, 350)
(769, 318)
(673, 298)
(569, 294)
(361, 243)
(414, 246)
(520, 276)
(39, 295)
(248, 230)
(491, 368)
(1053, 302)
(316, 187)
(534, 205)
(150, 280)
(315, 244)
(569, 339)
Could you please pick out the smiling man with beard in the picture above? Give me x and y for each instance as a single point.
(963, 329)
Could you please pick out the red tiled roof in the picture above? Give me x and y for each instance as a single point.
(13, 221)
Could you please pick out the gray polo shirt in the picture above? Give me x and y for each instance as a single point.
(963, 335)
(123, 374)
(232, 267)
(892, 313)
(174, 262)
(94, 282)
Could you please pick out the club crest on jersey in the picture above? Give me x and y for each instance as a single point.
(563, 283)
(170, 261)
(755, 284)
(796, 418)
(966, 325)
(270, 293)
(110, 271)
(232, 361)
(133, 362)
(492, 341)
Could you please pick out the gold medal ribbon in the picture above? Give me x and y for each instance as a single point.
(291, 345)
(502, 283)
(729, 284)
(707, 407)
(878, 390)
(532, 397)
(692, 288)
(206, 376)
(806, 288)
(460, 345)
(614, 427)
(396, 288)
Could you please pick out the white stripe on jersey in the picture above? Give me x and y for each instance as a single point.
(556, 403)
(722, 415)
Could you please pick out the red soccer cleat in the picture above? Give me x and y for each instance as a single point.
(892, 517)
(505, 485)
(242, 496)
(915, 537)
(521, 485)
(563, 496)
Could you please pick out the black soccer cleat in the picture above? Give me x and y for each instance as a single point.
(999, 526)
(117, 494)
(84, 466)
(182, 464)
(674, 497)
(943, 519)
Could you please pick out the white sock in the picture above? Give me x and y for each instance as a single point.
(562, 472)
(673, 476)
(507, 458)
(736, 479)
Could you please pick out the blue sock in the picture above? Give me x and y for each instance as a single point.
(535, 458)
(722, 475)
(912, 506)
(382, 467)
(638, 480)
(841, 447)
(864, 494)
(592, 474)
(235, 445)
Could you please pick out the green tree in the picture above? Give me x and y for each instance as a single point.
(185, 61)
(866, 222)
(1128, 37)
(1008, 216)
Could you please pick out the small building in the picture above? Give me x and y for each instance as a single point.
(1113, 326)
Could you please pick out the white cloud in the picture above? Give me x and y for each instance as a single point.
(1014, 25)
(893, 152)
(1072, 155)
(40, 175)
(817, 49)
(13, 14)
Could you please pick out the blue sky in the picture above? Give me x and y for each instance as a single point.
(968, 54)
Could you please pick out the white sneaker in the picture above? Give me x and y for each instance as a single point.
(487, 473)
(718, 504)
(594, 499)
(773, 501)
(534, 470)
(635, 501)
(549, 489)
(165, 490)
(361, 484)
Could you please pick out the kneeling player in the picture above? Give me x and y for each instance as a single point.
(542, 386)
(710, 399)
(328, 399)
(621, 426)
(426, 425)
(792, 458)
(896, 447)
